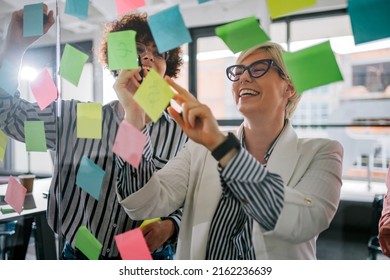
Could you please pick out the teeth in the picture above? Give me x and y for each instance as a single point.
(248, 92)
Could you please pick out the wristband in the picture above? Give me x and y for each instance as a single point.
(226, 146)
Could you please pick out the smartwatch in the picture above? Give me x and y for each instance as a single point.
(226, 146)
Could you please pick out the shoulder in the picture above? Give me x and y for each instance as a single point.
(320, 145)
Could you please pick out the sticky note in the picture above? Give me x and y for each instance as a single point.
(89, 120)
(242, 34)
(72, 64)
(122, 51)
(8, 77)
(3, 144)
(15, 194)
(312, 67)
(90, 177)
(153, 95)
(33, 20)
(129, 143)
(132, 245)
(126, 6)
(44, 89)
(88, 244)
(279, 8)
(35, 137)
(150, 221)
(77, 8)
(370, 20)
(168, 29)
(203, 1)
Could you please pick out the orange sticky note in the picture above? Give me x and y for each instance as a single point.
(44, 89)
(15, 194)
(132, 245)
(129, 144)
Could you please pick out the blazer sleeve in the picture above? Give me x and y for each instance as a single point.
(311, 203)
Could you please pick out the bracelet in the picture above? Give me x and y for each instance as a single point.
(226, 146)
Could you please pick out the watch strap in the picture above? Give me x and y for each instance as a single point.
(226, 146)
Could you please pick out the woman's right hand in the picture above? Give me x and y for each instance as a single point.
(16, 43)
(125, 86)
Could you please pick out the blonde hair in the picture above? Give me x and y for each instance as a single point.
(275, 51)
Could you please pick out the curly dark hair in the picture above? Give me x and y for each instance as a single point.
(139, 23)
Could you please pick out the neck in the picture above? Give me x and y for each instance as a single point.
(260, 136)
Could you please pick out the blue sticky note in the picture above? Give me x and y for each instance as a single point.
(77, 8)
(203, 1)
(8, 77)
(168, 29)
(33, 20)
(370, 19)
(90, 177)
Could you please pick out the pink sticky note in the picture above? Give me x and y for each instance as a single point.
(132, 245)
(15, 194)
(44, 89)
(126, 6)
(129, 144)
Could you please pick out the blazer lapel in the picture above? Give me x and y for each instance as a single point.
(285, 155)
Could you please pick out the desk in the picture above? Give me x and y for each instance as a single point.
(35, 206)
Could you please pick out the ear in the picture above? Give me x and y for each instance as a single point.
(290, 89)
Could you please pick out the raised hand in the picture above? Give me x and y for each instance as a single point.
(15, 38)
(125, 86)
(196, 119)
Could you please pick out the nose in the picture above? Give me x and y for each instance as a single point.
(245, 76)
(148, 55)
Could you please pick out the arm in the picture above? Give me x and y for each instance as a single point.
(311, 204)
(13, 110)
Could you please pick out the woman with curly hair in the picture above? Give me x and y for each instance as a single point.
(69, 206)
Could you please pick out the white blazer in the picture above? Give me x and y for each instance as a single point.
(311, 170)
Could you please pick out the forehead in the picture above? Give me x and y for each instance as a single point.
(253, 56)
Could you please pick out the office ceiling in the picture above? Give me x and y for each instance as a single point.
(194, 14)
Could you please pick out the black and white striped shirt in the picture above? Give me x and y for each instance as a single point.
(104, 218)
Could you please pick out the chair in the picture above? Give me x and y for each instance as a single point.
(7, 230)
(373, 242)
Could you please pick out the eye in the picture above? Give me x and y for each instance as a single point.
(259, 68)
(237, 71)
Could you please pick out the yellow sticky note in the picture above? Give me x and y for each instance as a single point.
(89, 120)
(150, 221)
(3, 144)
(153, 95)
(279, 8)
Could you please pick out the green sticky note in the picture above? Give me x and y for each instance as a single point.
(370, 20)
(72, 64)
(122, 52)
(312, 67)
(88, 244)
(153, 95)
(35, 138)
(279, 8)
(3, 144)
(242, 34)
(89, 120)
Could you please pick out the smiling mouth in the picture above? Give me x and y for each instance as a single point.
(248, 92)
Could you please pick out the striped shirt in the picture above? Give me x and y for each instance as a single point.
(69, 207)
(230, 235)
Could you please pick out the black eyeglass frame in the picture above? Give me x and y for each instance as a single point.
(269, 62)
(164, 55)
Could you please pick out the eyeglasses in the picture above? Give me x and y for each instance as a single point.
(142, 49)
(256, 70)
